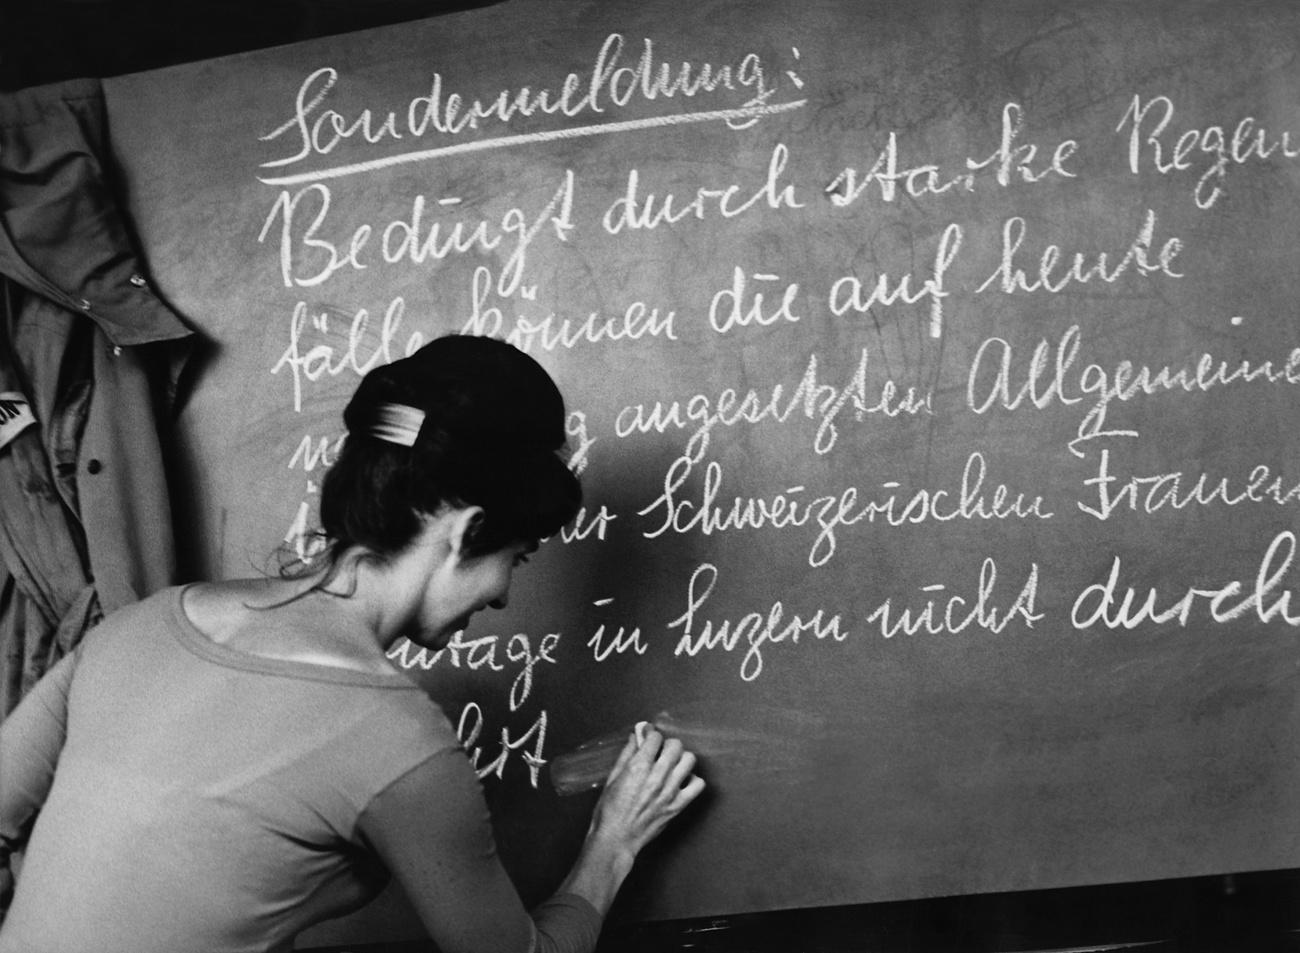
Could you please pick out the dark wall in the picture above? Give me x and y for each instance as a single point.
(45, 41)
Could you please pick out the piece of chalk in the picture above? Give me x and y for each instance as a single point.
(587, 766)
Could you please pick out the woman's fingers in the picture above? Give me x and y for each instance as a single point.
(681, 785)
(668, 753)
(672, 783)
(688, 792)
(643, 743)
(624, 756)
(679, 772)
(652, 781)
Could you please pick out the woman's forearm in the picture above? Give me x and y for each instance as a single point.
(652, 782)
(599, 871)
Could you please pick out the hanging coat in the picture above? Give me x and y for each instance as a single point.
(89, 356)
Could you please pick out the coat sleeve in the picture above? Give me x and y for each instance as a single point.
(31, 738)
(432, 829)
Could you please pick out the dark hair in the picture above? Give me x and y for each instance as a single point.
(493, 436)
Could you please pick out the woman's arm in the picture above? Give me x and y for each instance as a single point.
(651, 783)
(432, 829)
(31, 738)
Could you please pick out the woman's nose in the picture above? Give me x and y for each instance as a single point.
(500, 602)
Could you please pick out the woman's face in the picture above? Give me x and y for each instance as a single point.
(460, 586)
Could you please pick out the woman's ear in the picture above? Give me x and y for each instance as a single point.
(465, 525)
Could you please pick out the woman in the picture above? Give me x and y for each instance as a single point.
(221, 765)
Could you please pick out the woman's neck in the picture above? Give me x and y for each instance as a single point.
(291, 619)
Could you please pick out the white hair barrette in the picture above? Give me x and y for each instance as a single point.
(397, 423)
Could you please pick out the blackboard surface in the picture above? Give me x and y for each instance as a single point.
(933, 371)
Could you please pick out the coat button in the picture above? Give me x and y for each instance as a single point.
(137, 280)
(83, 304)
(93, 467)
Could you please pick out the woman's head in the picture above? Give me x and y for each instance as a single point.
(464, 421)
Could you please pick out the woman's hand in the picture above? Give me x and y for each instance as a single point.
(652, 782)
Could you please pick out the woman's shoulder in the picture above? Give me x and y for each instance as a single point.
(154, 612)
(218, 609)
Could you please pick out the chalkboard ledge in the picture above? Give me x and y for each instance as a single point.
(1256, 912)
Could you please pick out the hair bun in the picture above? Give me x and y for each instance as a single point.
(462, 421)
(476, 388)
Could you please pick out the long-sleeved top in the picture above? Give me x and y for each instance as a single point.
(195, 797)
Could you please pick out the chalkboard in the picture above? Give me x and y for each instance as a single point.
(933, 379)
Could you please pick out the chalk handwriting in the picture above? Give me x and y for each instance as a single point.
(796, 507)
(753, 632)
(1109, 606)
(554, 332)
(743, 87)
(811, 398)
(581, 440)
(317, 453)
(632, 211)
(846, 293)
(1177, 490)
(308, 258)
(1050, 378)
(1010, 163)
(295, 247)
(940, 615)
(1210, 148)
(1010, 277)
(503, 247)
(604, 644)
(490, 652)
(300, 537)
(585, 524)
(736, 306)
(359, 354)
(470, 727)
